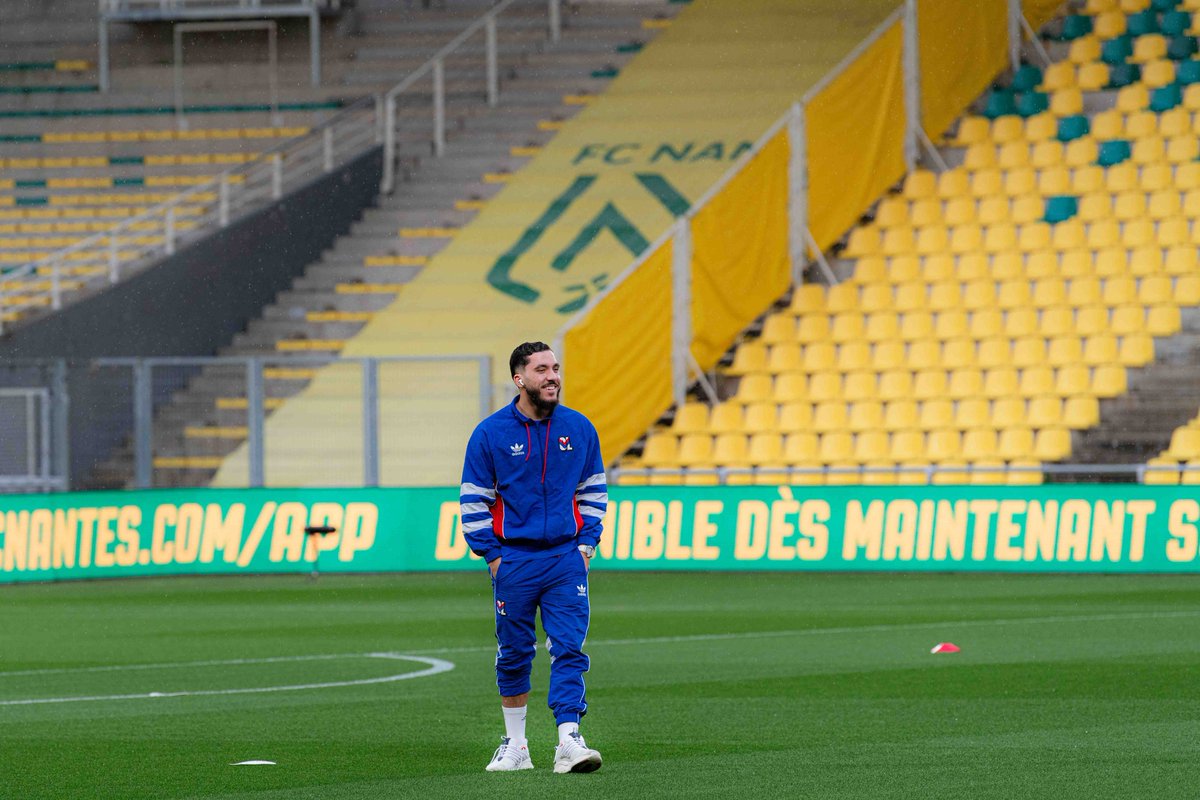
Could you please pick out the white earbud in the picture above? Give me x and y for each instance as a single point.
(520, 383)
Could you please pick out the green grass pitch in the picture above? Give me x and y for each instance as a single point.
(702, 685)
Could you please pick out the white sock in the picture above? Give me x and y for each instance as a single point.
(566, 729)
(514, 724)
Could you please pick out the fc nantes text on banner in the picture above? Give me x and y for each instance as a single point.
(1070, 528)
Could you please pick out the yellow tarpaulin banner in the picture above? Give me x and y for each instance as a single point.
(1039, 12)
(740, 262)
(963, 45)
(855, 128)
(617, 362)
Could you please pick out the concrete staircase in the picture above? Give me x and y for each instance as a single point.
(343, 288)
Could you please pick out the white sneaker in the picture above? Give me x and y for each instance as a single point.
(574, 755)
(509, 757)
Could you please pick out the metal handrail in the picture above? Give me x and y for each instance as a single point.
(251, 185)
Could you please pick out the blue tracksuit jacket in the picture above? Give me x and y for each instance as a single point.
(532, 487)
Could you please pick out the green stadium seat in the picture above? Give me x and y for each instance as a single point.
(1181, 48)
(1165, 98)
(1000, 102)
(1117, 51)
(1122, 75)
(1026, 79)
(1075, 26)
(1060, 209)
(1140, 24)
(1113, 152)
(1164, 5)
(1077, 125)
(1187, 73)
(1030, 104)
(1175, 23)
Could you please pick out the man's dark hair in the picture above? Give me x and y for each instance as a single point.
(520, 356)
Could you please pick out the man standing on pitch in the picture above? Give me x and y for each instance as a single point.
(533, 497)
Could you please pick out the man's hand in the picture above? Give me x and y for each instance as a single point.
(587, 553)
(494, 565)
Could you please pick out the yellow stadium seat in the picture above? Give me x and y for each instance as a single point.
(1057, 321)
(726, 417)
(1163, 320)
(916, 324)
(1112, 262)
(891, 212)
(953, 183)
(1045, 412)
(1100, 349)
(1095, 206)
(919, 184)
(865, 415)
(1083, 292)
(906, 446)
(1191, 97)
(1119, 290)
(836, 447)
(1191, 475)
(1075, 263)
(867, 270)
(1060, 75)
(749, 357)
(864, 240)
(1028, 208)
(963, 239)
(1141, 233)
(887, 354)
(882, 326)
(1054, 180)
(766, 449)
(871, 447)
(959, 211)
(795, 417)
(943, 444)
(902, 269)
(1185, 444)
(1014, 294)
(1148, 49)
(972, 412)
(898, 242)
(830, 415)
(1066, 102)
(875, 297)
(1157, 178)
(820, 356)
(779, 328)
(1073, 380)
(1052, 444)
(987, 183)
(1149, 150)
(1036, 381)
(1109, 124)
(1133, 98)
(1130, 205)
(1034, 236)
(800, 448)
(1084, 50)
(1064, 351)
(847, 326)
(1000, 238)
(731, 450)
(980, 156)
(929, 384)
(1121, 177)
(1136, 350)
(1181, 149)
(932, 239)
(900, 414)
(1000, 382)
(661, 450)
(1020, 322)
(965, 382)
(979, 294)
(1015, 444)
(972, 129)
(761, 417)
(925, 353)
(1080, 412)
(1191, 203)
(1109, 24)
(1187, 177)
(1162, 471)
(994, 352)
(842, 297)
(993, 210)
(1029, 351)
(791, 387)
(1024, 473)
(936, 413)
(1157, 73)
(1049, 292)
(1019, 182)
(1091, 320)
(953, 326)
(810, 328)
(1069, 235)
(785, 357)
(1087, 179)
(1155, 290)
(691, 418)
(1041, 127)
(1012, 155)
(1176, 122)
(754, 389)
(1173, 234)
(1008, 129)
(1007, 412)
(810, 297)
(1128, 319)
(985, 323)
(1187, 290)
(970, 267)
(823, 386)
(1132, 6)
(895, 384)
(860, 386)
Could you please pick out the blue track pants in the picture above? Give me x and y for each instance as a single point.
(558, 584)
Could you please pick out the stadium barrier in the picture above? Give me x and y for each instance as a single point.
(736, 249)
(1066, 529)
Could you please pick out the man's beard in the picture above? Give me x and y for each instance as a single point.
(544, 406)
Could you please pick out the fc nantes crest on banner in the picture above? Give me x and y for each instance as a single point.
(611, 181)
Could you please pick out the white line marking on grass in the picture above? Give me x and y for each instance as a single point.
(853, 629)
(436, 667)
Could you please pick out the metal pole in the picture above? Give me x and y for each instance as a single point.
(493, 83)
(314, 46)
(273, 77)
(555, 21)
(177, 50)
(254, 420)
(31, 435)
(223, 200)
(389, 145)
(439, 108)
(114, 262)
(1014, 34)
(61, 424)
(169, 230)
(276, 176)
(143, 412)
(797, 194)
(104, 77)
(327, 147)
(55, 283)
(912, 86)
(44, 454)
(681, 308)
(370, 400)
